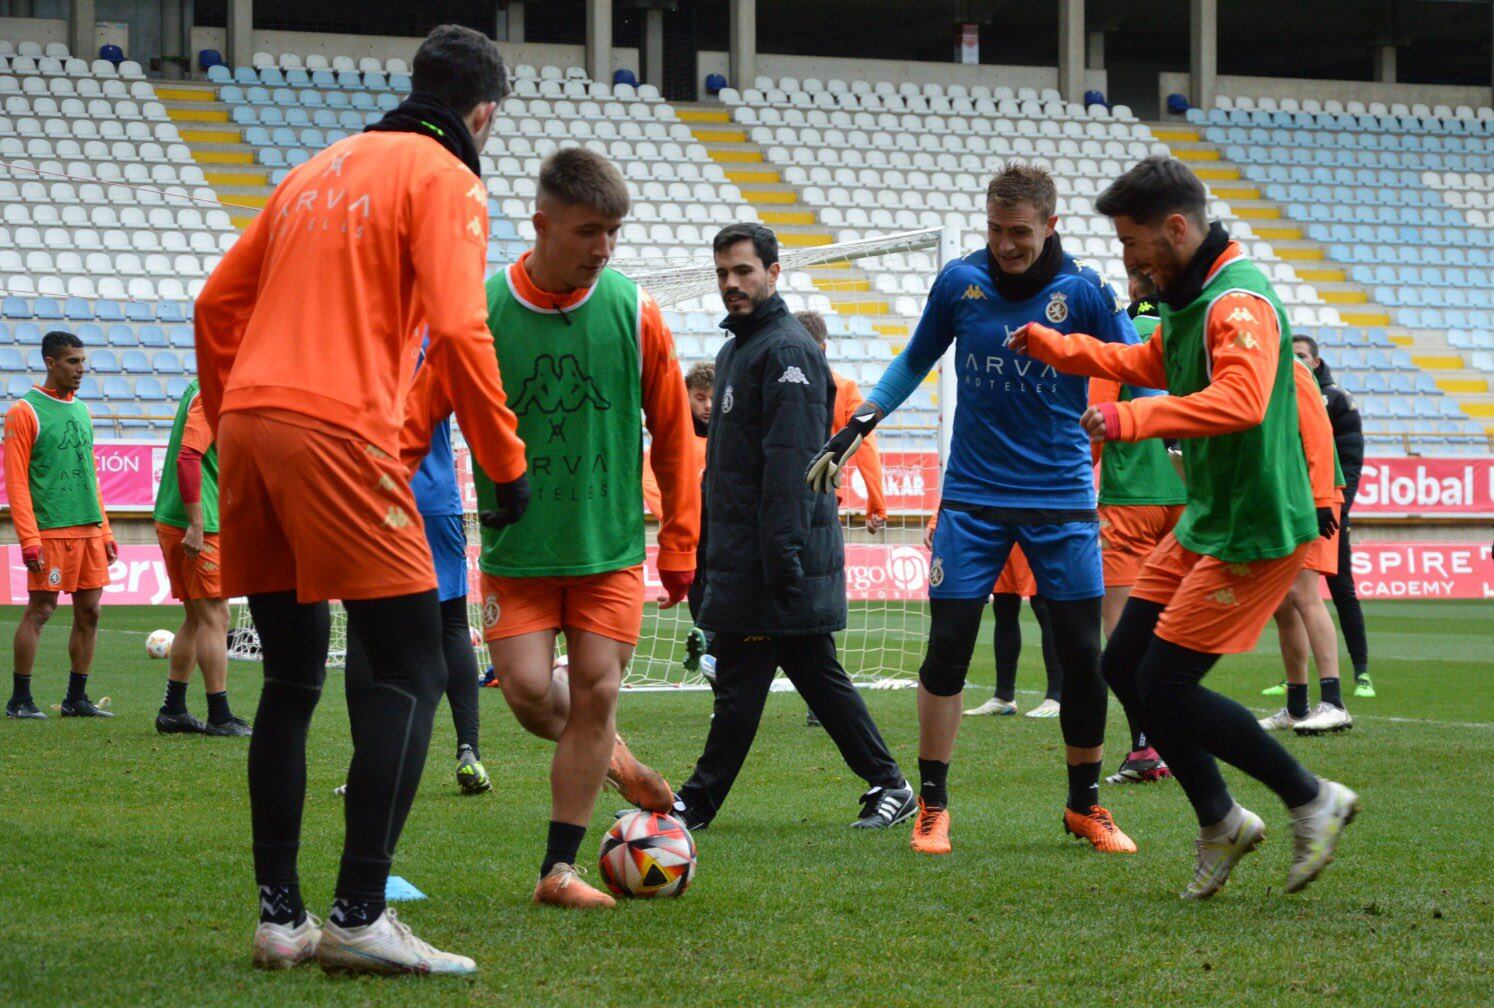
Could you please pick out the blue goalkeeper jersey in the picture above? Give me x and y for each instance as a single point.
(1016, 441)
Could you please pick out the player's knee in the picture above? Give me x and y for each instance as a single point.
(38, 613)
(86, 615)
(942, 677)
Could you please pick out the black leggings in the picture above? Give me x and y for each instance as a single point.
(1188, 724)
(461, 670)
(391, 723)
(955, 625)
(1007, 637)
(1346, 601)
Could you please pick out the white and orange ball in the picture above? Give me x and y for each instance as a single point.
(158, 644)
(648, 854)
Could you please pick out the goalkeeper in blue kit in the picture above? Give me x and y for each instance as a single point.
(1019, 472)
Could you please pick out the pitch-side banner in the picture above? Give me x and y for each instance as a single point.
(129, 473)
(1426, 486)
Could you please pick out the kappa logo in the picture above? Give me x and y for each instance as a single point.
(557, 387)
(396, 518)
(1246, 340)
(1145, 308)
(1240, 314)
(475, 228)
(793, 375)
(387, 484)
(727, 400)
(936, 572)
(490, 611)
(973, 293)
(1241, 570)
(1224, 596)
(1058, 308)
(54, 576)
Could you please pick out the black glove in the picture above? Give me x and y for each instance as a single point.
(1327, 523)
(824, 472)
(512, 501)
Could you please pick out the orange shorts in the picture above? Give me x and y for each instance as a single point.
(609, 604)
(1128, 534)
(1322, 554)
(191, 577)
(1016, 577)
(70, 565)
(317, 511)
(1214, 606)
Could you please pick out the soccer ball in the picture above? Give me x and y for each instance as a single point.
(647, 854)
(158, 644)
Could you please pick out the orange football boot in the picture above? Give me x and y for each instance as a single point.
(931, 830)
(564, 887)
(1099, 829)
(637, 783)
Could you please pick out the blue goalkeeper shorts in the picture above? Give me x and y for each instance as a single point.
(971, 545)
(447, 535)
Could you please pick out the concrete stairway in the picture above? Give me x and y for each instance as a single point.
(218, 146)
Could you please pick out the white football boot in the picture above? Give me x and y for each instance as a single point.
(1282, 720)
(387, 947)
(282, 946)
(1316, 829)
(993, 706)
(1046, 709)
(1325, 718)
(1217, 858)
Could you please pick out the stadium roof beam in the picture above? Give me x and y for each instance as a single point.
(1203, 51)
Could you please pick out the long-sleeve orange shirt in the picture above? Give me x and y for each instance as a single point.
(1317, 437)
(653, 498)
(848, 399)
(316, 311)
(20, 436)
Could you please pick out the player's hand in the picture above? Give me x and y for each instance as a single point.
(928, 537)
(512, 502)
(1019, 341)
(825, 471)
(1327, 523)
(32, 555)
(676, 587)
(875, 523)
(192, 540)
(1101, 422)
(111, 550)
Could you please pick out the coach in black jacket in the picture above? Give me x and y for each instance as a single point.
(1348, 441)
(774, 563)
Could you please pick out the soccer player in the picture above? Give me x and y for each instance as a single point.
(1141, 499)
(589, 355)
(307, 336)
(1302, 620)
(1222, 351)
(59, 521)
(1019, 471)
(186, 517)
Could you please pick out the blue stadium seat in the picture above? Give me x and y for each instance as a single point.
(131, 412)
(339, 100)
(176, 387)
(229, 94)
(349, 80)
(272, 157)
(102, 361)
(218, 73)
(244, 115)
(27, 334)
(116, 389)
(171, 311)
(257, 136)
(134, 362)
(323, 79)
(310, 99)
(12, 361)
(149, 389)
(47, 309)
(15, 308)
(363, 100)
(166, 363)
(153, 336)
(181, 337)
(245, 76)
(297, 118)
(77, 310)
(270, 116)
(297, 78)
(272, 76)
(17, 385)
(189, 362)
(121, 336)
(90, 334)
(139, 311)
(89, 388)
(400, 83)
(108, 311)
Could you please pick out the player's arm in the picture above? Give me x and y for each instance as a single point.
(666, 410)
(20, 435)
(111, 548)
(1348, 439)
(1244, 341)
(868, 460)
(197, 439)
(448, 251)
(932, 337)
(426, 406)
(1080, 354)
(224, 307)
(653, 500)
(795, 418)
(1317, 436)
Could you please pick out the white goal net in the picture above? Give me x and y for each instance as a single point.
(870, 291)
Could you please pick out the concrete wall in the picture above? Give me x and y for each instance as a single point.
(1325, 90)
(827, 67)
(44, 30)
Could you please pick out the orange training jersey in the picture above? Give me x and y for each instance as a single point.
(316, 311)
(848, 399)
(20, 435)
(1317, 437)
(653, 498)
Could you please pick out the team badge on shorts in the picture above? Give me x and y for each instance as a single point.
(727, 401)
(1058, 308)
(936, 572)
(490, 611)
(54, 577)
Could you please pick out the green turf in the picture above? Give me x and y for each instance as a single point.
(125, 874)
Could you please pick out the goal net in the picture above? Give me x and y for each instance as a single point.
(870, 291)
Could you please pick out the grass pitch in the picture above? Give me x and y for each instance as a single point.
(125, 870)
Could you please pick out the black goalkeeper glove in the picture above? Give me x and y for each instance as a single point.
(512, 501)
(824, 472)
(1327, 523)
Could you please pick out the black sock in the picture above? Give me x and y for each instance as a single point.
(281, 904)
(218, 711)
(1328, 690)
(1084, 786)
(77, 686)
(1297, 700)
(933, 776)
(1361, 670)
(563, 844)
(176, 698)
(20, 688)
(351, 913)
(469, 747)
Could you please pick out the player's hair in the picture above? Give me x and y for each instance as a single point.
(702, 375)
(577, 176)
(1021, 184)
(764, 241)
(1153, 189)
(58, 340)
(460, 66)
(815, 323)
(1299, 338)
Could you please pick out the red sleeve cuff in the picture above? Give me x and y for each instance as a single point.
(189, 475)
(1111, 413)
